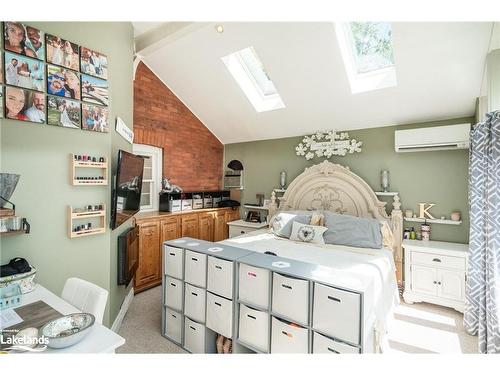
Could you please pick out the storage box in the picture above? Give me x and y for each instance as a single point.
(173, 325)
(216, 196)
(173, 293)
(291, 298)
(174, 262)
(26, 280)
(325, 345)
(220, 277)
(254, 285)
(288, 338)
(187, 201)
(254, 328)
(196, 269)
(220, 314)
(194, 336)
(197, 201)
(170, 202)
(194, 303)
(208, 201)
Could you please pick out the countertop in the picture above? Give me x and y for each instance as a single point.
(160, 214)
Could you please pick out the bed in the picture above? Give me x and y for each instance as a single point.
(332, 187)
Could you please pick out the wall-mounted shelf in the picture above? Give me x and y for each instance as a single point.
(83, 215)
(432, 221)
(386, 193)
(77, 165)
(252, 207)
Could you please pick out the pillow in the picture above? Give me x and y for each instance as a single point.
(282, 222)
(307, 233)
(353, 231)
(317, 219)
(387, 235)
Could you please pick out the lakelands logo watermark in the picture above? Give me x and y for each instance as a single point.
(13, 340)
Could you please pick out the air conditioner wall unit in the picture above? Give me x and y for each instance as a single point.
(437, 138)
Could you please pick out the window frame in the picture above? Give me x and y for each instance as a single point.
(156, 155)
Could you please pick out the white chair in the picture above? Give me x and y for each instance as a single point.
(85, 296)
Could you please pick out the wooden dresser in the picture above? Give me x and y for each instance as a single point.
(156, 227)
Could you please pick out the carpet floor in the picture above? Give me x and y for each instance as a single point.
(417, 328)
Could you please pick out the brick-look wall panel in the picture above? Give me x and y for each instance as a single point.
(192, 155)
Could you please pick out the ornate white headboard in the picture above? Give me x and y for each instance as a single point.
(333, 187)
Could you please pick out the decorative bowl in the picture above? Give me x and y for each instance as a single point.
(67, 330)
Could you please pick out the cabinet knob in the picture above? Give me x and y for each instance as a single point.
(437, 260)
(435, 282)
(439, 282)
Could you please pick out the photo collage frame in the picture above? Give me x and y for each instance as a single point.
(46, 79)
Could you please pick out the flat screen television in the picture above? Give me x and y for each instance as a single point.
(126, 200)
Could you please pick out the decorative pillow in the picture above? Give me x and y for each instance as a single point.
(307, 233)
(353, 231)
(317, 219)
(387, 235)
(282, 223)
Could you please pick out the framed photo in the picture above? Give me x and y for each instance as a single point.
(1, 101)
(1, 67)
(24, 105)
(63, 112)
(24, 40)
(93, 63)
(62, 52)
(24, 72)
(63, 82)
(94, 90)
(95, 118)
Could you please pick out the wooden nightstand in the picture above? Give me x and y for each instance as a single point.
(435, 272)
(239, 227)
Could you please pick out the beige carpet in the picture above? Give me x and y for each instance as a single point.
(417, 328)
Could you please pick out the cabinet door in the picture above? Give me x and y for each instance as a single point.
(220, 231)
(149, 268)
(232, 215)
(451, 284)
(206, 226)
(424, 280)
(190, 226)
(170, 229)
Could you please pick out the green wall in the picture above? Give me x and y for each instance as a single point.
(436, 177)
(40, 154)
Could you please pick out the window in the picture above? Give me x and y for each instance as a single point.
(366, 49)
(151, 180)
(250, 74)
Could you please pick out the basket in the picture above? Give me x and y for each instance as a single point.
(26, 280)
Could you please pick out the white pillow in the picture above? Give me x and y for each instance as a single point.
(308, 233)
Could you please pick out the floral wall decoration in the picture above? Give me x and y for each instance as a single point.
(327, 144)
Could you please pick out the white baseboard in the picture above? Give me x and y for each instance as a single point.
(123, 310)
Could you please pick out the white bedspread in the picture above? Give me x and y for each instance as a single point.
(375, 266)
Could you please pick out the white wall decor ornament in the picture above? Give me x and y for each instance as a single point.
(327, 144)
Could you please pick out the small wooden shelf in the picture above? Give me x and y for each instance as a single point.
(74, 216)
(12, 232)
(251, 207)
(432, 221)
(386, 193)
(78, 164)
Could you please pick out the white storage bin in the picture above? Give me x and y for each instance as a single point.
(288, 338)
(194, 336)
(220, 315)
(174, 262)
(254, 328)
(254, 285)
(194, 303)
(173, 325)
(196, 269)
(324, 345)
(220, 277)
(291, 298)
(173, 293)
(337, 313)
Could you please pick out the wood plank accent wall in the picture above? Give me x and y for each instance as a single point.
(192, 155)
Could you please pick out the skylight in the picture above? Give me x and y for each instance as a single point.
(248, 71)
(368, 56)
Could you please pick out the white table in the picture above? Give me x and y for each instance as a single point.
(99, 340)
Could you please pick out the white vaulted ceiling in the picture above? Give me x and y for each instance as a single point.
(439, 67)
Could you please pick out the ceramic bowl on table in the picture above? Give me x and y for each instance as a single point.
(67, 330)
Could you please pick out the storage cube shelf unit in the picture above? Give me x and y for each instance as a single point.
(75, 217)
(197, 289)
(264, 303)
(78, 165)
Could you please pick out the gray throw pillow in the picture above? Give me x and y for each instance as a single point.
(283, 222)
(353, 231)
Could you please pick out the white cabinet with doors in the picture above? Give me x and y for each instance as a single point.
(435, 272)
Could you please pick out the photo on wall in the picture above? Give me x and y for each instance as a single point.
(63, 82)
(95, 118)
(62, 52)
(24, 40)
(63, 112)
(94, 90)
(1, 67)
(24, 72)
(24, 105)
(93, 63)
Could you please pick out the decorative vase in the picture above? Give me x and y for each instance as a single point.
(384, 180)
(282, 179)
(455, 216)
